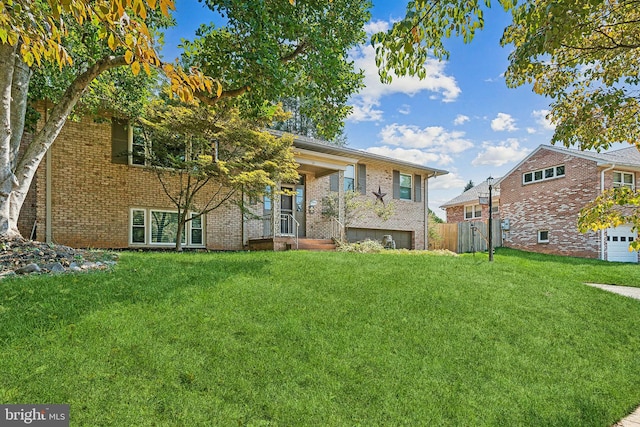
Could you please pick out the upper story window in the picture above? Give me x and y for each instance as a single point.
(472, 211)
(624, 179)
(405, 186)
(543, 174)
(350, 178)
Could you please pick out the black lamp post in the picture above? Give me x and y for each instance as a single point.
(490, 182)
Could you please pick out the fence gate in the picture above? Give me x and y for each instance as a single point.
(468, 236)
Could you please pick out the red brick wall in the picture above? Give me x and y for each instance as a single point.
(551, 205)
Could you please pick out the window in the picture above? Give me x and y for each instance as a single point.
(139, 152)
(196, 229)
(350, 178)
(543, 236)
(543, 174)
(151, 227)
(623, 179)
(405, 186)
(138, 229)
(166, 154)
(472, 211)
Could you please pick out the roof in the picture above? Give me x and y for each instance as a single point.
(625, 157)
(325, 147)
(472, 195)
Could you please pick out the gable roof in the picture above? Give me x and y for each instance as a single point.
(320, 146)
(625, 157)
(472, 195)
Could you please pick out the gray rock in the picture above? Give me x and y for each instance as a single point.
(75, 268)
(74, 265)
(56, 267)
(29, 268)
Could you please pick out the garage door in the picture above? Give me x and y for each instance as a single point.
(618, 240)
(403, 239)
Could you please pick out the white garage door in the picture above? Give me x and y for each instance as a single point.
(618, 240)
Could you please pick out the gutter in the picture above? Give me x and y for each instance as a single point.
(602, 257)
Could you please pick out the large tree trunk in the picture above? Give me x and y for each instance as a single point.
(16, 174)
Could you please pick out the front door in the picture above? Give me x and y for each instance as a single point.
(286, 212)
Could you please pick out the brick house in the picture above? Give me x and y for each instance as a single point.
(541, 197)
(467, 207)
(86, 193)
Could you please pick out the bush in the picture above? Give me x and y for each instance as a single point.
(366, 246)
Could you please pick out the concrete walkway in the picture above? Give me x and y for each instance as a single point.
(633, 420)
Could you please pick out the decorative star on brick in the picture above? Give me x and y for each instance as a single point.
(379, 195)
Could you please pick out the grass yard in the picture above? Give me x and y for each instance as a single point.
(326, 339)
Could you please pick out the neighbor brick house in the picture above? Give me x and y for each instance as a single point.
(541, 197)
(86, 193)
(467, 207)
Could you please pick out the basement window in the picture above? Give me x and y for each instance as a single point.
(543, 236)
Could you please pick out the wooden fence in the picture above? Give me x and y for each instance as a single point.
(468, 236)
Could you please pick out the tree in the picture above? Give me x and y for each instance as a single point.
(277, 49)
(583, 55)
(33, 34)
(196, 151)
(469, 186)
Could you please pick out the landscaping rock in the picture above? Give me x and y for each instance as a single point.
(29, 268)
(20, 256)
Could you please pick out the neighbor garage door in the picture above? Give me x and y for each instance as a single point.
(618, 240)
(402, 238)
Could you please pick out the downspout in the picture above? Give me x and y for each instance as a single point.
(426, 211)
(602, 257)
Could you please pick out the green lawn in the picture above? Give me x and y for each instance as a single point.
(326, 339)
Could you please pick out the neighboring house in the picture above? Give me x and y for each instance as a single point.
(541, 197)
(88, 194)
(467, 207)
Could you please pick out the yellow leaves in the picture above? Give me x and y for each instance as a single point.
(165, 5)
(128, 56)
(135, 68)
(111, 42)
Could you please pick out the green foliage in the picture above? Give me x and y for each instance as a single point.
(469, 186)
(269, 51)
(614, 207)
(367, 246)
(196, 150)
(355, 207)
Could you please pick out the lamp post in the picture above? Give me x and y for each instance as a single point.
(490, 182)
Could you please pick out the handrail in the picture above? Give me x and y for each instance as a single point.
(337, 230)
(290, 221)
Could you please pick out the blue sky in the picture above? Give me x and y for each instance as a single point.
(461, 118)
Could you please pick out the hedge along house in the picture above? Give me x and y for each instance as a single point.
(87, 193)
(541, 197)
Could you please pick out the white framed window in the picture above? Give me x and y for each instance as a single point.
(156, 227)
(350, 178)
(624, 179)
(138, 149)
(543, 236)
(472, 211)
(543, 174)
(405, 186)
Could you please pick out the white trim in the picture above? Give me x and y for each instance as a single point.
(400, 187)
(540, 240)
(186, 233)
(473, 212)
(622, 183)
(543, 174)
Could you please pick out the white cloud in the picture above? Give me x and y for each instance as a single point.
(365, 113)
(503, 122)
(431, 138)
(460, 119)
(541, 119)
(405, 109)
(411, 155)
(503, 153)
(376, 27)
(447, 182)
(437, 81)
(531, 130)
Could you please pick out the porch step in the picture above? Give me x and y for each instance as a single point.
(316, 245)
